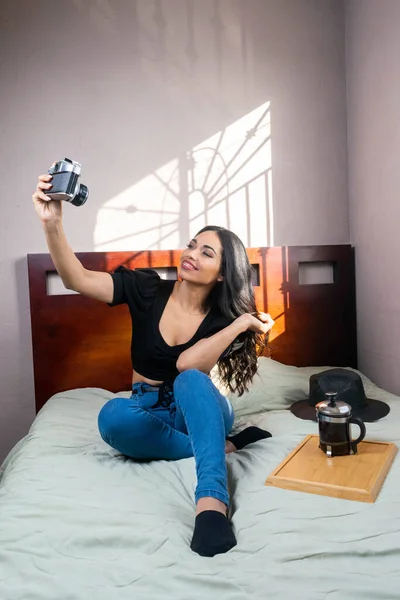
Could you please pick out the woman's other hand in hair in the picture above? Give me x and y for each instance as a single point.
(259, 322)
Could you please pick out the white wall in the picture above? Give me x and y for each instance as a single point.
(373, 100)
(135, 90)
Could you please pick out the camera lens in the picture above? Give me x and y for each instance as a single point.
(81, 196)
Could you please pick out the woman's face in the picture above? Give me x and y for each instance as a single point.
(201, 261)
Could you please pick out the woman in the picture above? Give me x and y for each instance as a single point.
(180, 330)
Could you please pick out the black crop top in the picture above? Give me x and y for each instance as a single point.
(146, 295)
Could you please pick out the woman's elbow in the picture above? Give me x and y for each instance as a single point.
(68, 285)
(182, 364)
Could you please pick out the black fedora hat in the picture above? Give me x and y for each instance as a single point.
(349, 388)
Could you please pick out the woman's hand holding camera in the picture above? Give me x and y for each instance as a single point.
(258, 322)
(49, 211)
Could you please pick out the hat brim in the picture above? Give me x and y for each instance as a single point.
(375, 410)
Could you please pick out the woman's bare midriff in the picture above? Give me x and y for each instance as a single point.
(138, 378)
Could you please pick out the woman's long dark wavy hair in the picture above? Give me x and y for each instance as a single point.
(234, 296)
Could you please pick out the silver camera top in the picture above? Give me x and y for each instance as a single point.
(66, 165)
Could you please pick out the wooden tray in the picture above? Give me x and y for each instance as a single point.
(357, 477)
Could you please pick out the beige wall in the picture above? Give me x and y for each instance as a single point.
(373, 100)
(144, 93)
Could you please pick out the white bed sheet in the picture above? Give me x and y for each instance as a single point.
(78, 521)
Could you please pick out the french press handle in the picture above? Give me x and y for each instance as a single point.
(363, 431)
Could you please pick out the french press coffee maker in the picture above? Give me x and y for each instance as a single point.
(334, 418)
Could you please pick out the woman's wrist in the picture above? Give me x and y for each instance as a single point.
(241, 323)
(53, 226)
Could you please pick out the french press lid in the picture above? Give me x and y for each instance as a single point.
(332, 407)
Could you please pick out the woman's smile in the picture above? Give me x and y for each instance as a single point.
(189, 266)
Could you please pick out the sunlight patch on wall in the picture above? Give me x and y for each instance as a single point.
(143, 216)
(226, 180)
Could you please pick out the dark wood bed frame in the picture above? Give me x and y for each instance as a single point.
(79, 342)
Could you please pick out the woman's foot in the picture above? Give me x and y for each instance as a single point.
(212, 531)
(244, 438)
(212, 534)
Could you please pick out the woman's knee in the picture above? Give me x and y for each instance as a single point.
(129, 429)
(112, 419)
(190, 379)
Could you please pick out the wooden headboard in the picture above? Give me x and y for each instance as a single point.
(79, 342)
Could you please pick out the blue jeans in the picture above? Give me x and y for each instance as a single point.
(196, 423)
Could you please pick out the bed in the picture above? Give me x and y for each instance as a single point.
(79, 521)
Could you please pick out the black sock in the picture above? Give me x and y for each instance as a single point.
(212, 534)
(248, 436)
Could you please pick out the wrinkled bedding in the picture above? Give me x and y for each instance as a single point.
(79, 521)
